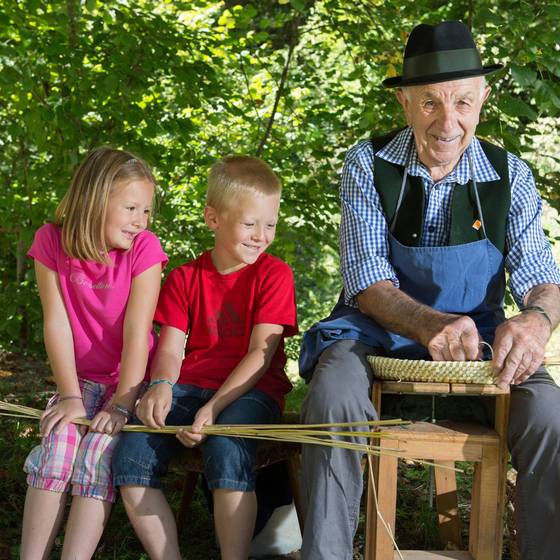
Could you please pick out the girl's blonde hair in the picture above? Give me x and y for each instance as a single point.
(83, 209)
(234, 175)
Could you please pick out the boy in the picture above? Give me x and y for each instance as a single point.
(235, 304)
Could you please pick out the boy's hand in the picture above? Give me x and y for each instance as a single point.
(153, 408)
(57, 417)
(204, 417)
(108, 422)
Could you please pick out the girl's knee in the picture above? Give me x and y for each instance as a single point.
(50, 465)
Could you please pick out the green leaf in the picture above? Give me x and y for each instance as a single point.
(516, 107)
(549, 93)
(522, 75)
(488, 129)
(9, 75)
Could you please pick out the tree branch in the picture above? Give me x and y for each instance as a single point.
(292, 44)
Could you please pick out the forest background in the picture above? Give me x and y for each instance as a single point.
(183, 83)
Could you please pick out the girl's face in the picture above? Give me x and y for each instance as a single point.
(130, 204)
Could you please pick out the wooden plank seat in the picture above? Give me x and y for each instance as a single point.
(443, 443)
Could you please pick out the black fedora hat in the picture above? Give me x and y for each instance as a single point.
(440, 53)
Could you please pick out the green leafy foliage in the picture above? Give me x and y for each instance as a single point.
(185, 82)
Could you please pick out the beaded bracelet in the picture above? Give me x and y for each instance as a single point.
(158, 381)
(122, 410)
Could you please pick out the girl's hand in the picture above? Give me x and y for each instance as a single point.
(193, 437)
(153, 408)
(56, 418)
(108, 421)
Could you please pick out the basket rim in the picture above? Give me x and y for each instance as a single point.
(429, 371)
(427, 363)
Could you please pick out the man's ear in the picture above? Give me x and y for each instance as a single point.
(211, 217)
(404, 101)
(401, 97)
(485, 95)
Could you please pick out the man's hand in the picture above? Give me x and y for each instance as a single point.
(456, 339)
(153, 408)
(447, 337)
(519, 346)
(204, 417)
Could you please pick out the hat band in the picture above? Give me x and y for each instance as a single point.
(440, 62)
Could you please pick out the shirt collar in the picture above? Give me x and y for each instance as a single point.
(402, 146)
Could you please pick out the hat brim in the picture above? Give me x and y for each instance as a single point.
(399, 81)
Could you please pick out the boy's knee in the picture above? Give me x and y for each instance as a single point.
(130, 451)
(230, 463)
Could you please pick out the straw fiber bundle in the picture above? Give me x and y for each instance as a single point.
(435, 372)
(317, 434)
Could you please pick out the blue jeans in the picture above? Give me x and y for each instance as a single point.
(141, 459)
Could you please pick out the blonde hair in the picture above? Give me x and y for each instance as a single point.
(234, 175)
(83, 209)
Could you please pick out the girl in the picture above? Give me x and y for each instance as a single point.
(98, 272)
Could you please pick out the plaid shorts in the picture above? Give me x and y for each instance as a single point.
(72, 459)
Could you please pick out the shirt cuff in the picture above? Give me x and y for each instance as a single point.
(358, 277)
(521, 287)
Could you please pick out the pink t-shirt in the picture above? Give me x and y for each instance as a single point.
(96, 296)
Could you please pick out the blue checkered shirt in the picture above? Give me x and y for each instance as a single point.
(364, 248)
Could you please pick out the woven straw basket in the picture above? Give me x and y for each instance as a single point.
(436, 372)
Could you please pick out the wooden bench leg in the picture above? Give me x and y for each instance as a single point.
(379, 545)
(189, 486)
(446, 502)
(485, 495)
(501, 423)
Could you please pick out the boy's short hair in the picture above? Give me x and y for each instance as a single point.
(234, 175)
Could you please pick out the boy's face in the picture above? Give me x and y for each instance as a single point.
(243, 231)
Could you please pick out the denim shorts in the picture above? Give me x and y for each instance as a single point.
(141, 459)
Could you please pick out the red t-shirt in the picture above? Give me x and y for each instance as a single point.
(218, 312)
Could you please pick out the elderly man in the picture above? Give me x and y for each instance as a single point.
(431, 218)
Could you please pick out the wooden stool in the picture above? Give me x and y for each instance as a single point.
(443, 443)
(268, 453)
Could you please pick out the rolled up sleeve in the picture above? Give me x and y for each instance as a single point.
(529, 259)
(364, 246)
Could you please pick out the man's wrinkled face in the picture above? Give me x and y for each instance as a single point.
(443, 117)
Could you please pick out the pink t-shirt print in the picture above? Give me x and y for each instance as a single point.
(96, 296)
(82, 280)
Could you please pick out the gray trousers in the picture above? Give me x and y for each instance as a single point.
(332, 479)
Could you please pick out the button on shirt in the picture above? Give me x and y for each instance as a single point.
(364, 248)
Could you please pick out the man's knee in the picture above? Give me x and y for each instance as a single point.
(341, 385)
(534, 410)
